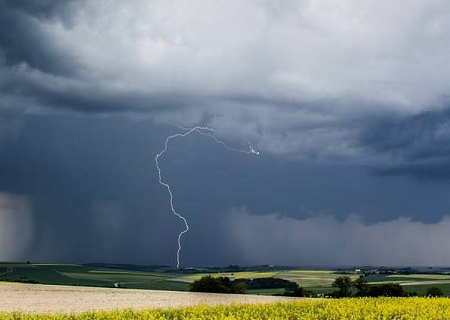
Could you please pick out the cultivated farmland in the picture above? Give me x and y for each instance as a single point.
(34, 298)
(325, 309)
(165, 278)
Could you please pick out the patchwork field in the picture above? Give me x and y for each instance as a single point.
(164, 278)
(317, 280)
(115, 291)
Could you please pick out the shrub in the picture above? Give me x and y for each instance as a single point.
(386, 290)
(434, 292)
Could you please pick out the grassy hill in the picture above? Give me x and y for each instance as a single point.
(166, 278)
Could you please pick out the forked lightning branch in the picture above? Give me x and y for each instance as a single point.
(204, 131)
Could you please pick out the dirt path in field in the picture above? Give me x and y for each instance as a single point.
(65, 299)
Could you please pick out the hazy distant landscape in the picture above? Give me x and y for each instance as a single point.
(318, 281)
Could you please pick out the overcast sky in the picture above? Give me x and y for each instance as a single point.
(347, 101)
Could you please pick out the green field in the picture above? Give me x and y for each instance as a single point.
(318, 281)
(87, 275)
(415, 282)
(165, 278)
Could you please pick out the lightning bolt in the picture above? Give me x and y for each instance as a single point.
(204, 131)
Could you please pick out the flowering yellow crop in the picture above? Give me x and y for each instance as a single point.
(349, 309)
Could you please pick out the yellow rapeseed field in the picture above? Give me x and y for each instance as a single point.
(351, 309)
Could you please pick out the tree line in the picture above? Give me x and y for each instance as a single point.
(344, 287)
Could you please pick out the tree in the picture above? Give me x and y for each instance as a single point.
(434, 292)
(217, 285)
(344, 285)
(361, 286)
(210, 284)
(386, 290)
(238, 287)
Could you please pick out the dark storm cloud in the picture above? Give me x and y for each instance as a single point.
(22, 39)
(89, 192)
(39, 8)
(417, 144)
(347, 102)
(419, 137)
(36, 72)
(81, 184)
(291, 98)
(45, 93)
(323, 240)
